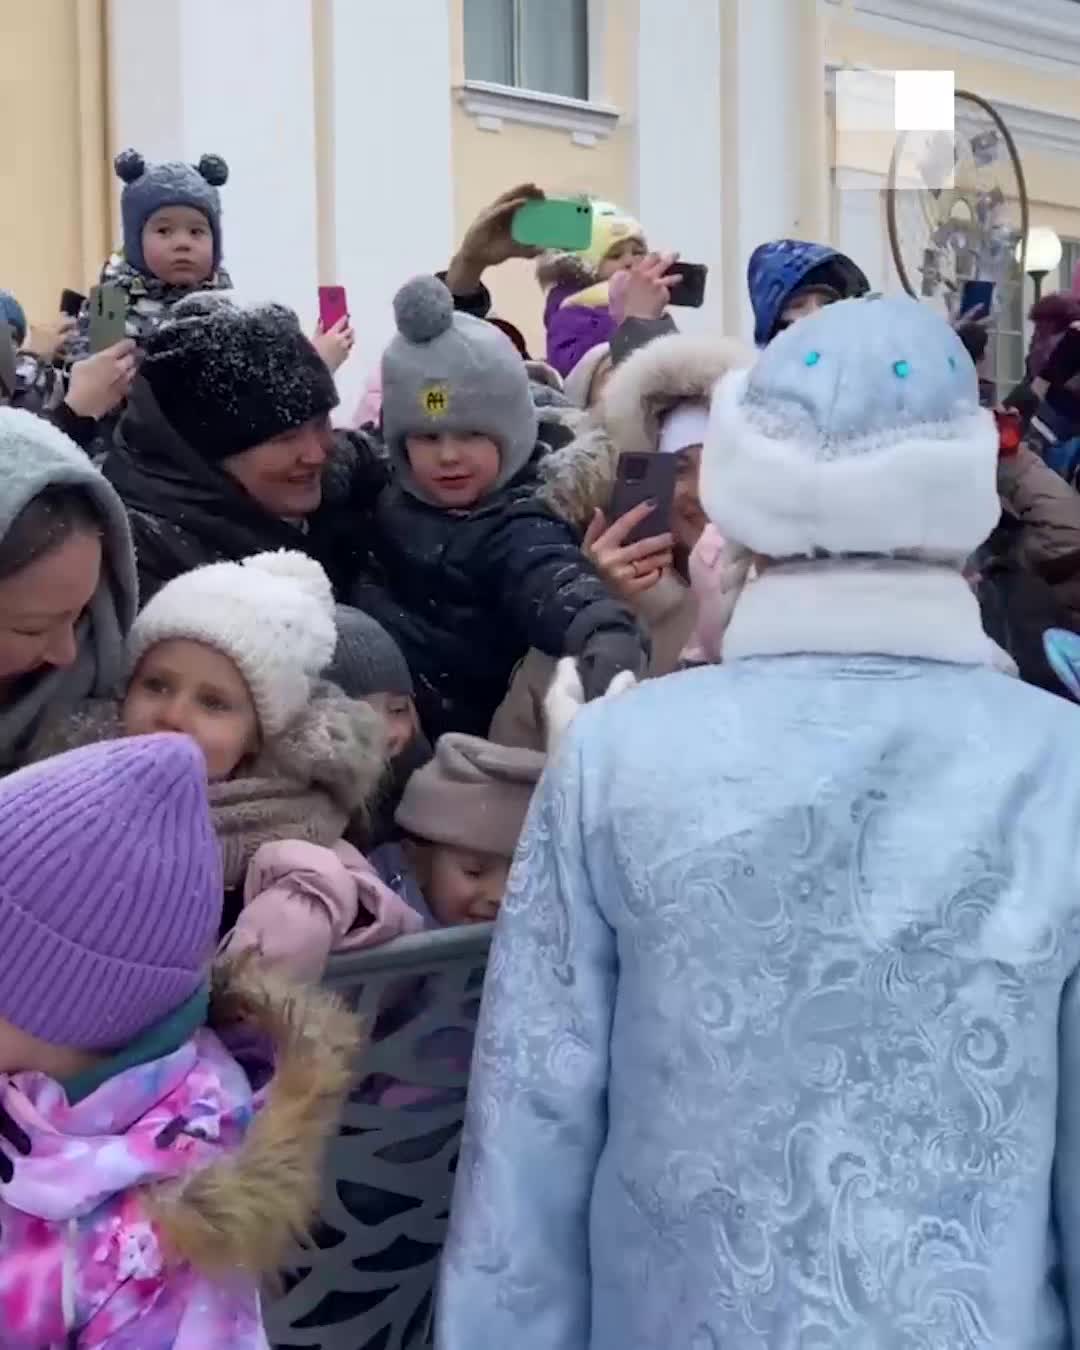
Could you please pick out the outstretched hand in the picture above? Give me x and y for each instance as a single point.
(489, 240)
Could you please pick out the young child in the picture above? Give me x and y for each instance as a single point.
(474, 568)
(230, 655)
(577, 313)
(791, 278)
(461, 814)
(160, 1176)
(368, 665)
(172, 240)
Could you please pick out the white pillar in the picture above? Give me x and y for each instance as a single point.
(680, 140)
(236, 79)
(391, 189)
(774, 107)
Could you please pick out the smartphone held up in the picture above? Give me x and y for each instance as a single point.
(641, 478)
(333, 306)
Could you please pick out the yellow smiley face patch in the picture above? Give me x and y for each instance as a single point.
(435, 400)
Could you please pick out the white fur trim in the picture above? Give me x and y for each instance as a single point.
(937, 497)
(666, 371)
(265, 619)
(860, 608)
(578, 384)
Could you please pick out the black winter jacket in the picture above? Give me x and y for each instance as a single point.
(185, 512)
(467, 593)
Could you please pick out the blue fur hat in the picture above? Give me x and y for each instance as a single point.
(13, 314)
(149, 187)
(780, 268)
(858, 431)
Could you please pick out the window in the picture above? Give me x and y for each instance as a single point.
(1010, 341)
(541, 45)
(1070, 257)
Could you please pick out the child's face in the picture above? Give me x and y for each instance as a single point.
(804, 303)
(22, 1053)
(285, 475)
(454, 470)
(460, 886)
(621, 258)
(178, 246)
(193, 689)
(400, 719)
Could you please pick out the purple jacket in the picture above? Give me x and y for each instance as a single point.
(573, 330)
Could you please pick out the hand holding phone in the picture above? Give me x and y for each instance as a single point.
(976, 300)
(333, 306)
(108, 316)
(553, 222)
(628, 553)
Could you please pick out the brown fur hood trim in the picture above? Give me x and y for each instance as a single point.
(564, 269)
(337, 744)
(580, 478)
(244, 1212)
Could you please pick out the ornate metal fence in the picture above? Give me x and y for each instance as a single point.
(366, 1282)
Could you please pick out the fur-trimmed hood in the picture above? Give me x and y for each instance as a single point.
(672, 369)
(564, 269)
(161, 1201)
(244, 1211)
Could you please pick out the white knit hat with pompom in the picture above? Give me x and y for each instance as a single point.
(272, 615)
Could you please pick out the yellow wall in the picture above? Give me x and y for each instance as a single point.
(52, 109)
(486, 163)
(1052, 182)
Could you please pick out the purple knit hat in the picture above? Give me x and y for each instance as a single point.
(110, 890)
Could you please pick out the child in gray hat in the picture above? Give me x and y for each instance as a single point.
(475, 570)
(172, 240)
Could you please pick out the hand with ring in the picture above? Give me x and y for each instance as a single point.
(629, 569)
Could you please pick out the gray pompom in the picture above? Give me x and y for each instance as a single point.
(129, 165)
(214, 170)
(424, 309)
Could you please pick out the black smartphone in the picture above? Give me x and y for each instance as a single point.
(71, 303)
(7, 362)
(645, 478)
(977, 299)
(689, 293)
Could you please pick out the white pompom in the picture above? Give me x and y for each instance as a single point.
(305, 572)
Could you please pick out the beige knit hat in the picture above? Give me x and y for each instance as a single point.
(472, 795)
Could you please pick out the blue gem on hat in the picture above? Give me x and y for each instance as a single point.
(902, 369)
(812, 358)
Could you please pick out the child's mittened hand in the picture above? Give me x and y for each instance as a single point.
(335, 347)
(566, 697)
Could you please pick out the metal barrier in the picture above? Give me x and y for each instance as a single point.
(367, 1280)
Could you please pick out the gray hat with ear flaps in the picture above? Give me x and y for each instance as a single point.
(448, 372)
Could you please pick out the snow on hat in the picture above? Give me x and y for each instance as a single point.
(472, 795)
(110, 890)
(684, 426)
(150, 187)
(448, 372)
(611, 226)
(228, 377)
(858, 431)
(367, 660)
(13, 314)
(272, 615)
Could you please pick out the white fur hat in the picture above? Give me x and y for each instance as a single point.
(272, 615)
(858, 431)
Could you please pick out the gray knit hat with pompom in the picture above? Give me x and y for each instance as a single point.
(448, 372)
(149, 187)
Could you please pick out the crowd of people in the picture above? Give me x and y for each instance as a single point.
(777, 1027)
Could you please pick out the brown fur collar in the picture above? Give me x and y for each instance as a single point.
(243, 1212)
(564, 269)
(579, 478)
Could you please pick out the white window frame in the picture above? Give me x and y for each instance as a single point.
(588, 121)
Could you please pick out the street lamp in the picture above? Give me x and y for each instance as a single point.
(1043, 256)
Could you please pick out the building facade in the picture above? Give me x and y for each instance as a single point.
(362, 136)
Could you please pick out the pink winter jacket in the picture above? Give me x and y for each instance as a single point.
(148, 1214)
(302, 902)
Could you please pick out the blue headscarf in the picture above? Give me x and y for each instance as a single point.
(13, 314)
